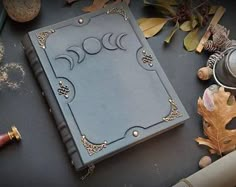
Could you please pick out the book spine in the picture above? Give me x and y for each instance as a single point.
(52, 102)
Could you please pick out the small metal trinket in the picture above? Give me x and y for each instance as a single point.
(90, 171)
(63, 90)
(147, 59)
(135, 133)
(174, 112)
(43, 36)
(120, 11)
(92, 148)
(11, 135)
(80, 20)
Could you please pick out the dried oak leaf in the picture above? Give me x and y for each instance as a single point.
(98, 4)
(220, 140)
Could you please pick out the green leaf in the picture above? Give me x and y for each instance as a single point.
(169, 37)
(191, 41)
(166, 7)
(151, 26)
(188, 25)
(199, 17)
(213, 10)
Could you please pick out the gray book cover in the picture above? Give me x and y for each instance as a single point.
(106, 89)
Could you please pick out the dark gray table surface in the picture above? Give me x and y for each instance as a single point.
(40, 159)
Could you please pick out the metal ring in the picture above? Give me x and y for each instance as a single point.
(218, 82)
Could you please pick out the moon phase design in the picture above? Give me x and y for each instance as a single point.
(106, 41)
(118, 41)
(92, 45)
(68, 58)
(78, 51)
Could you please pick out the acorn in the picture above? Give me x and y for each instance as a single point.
(205, 161)
(205, 73)
(22, 10)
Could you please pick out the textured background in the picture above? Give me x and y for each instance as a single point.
(41, 159)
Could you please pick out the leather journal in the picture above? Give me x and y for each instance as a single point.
(103, 83)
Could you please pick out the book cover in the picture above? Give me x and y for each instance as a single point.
(103, 83)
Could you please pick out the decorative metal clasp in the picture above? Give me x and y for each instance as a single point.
(174, 113)
(43, 36)
(91, 147)
(63, 90)
(147, 58)
(120, 11)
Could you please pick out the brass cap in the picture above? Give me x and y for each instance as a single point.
(14, 133)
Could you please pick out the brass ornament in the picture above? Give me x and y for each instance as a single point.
(120, 11)
(63, 90)
(174, 113)
(147, 58)
(14, 134)
(5, 138)
(91, 147)
(43, 36)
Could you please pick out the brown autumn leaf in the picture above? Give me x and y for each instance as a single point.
(98, 4)
(151, 26)
(219, 139)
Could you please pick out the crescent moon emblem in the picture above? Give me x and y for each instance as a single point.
(78, 51)
(106, 41)
(118, 41)
(68, 58)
